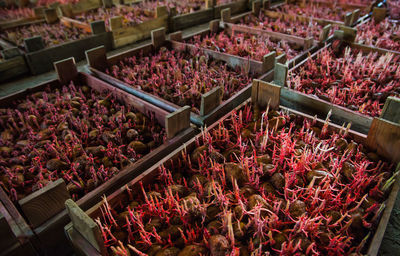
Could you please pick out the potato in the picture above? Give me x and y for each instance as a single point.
(297, 208)
(192, 250)
(278, 181)
(197, 153)
(139, 147)
(219, 245)
(234, 171)
(172, 251)
(56, 164)
(265, 159)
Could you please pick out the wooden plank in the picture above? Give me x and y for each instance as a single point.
(34, 44)
(141, 31)
(211, 100)
(214, 26)
(235, 7)
(191, 19)
(281, 58)
(176, 36)
(7, 235)
(355, 16)
(158, 37)
(21, 22)
(97, 58)
(43, 204)
(177, 121)
(368, 49)
(280, 74)
(376, 242)
(347, 19)
(379, 14)
(50, 15)
(384, 137)
(42, 61)
(268, 94)
(11, 68)
(349, 33)
(66, 70)
(80, 244)
(226, 15)
(268, 62)
(391, 110)
(325, 33)
(10, 53)
(75, 23)
(256, 7)
(85, 225)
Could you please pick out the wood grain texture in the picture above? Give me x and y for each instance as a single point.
(183, 21)
(379, 14)
(75, 23)
(268, 62)
(66, 70)
(14, 67)
(177, 121)
(226, 15)
(280, 74)
(391, 110)
(97, 58)
(325, 33)
(50, 15)
(43, 204)
(85, 225)
(158, 37)
(80, 244)
(268, 94)
(211, 100)
(384, 137)
(176, 36)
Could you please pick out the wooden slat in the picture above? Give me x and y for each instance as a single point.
(85, 225)
(280, 74)
(177, 121)
(211, 100)
(50, 15)
(96, 58)
(384, 137)
(11, 68)
(75, 23)
(66, 70)
(391, 110)
(158, 37)
(267, 94)
(43, 204)
(191, 19)
(379, 14)
(268, 62)
(34, 44)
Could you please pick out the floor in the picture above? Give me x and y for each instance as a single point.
(391, 241)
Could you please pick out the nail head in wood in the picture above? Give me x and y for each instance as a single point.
(10, 53)
(34, 44)
(391, 110)
(43, 204)
(384, 137)
(379, 14)
(50, 15)
(268, 61)
(176, 36)
(66, 70)
(214, 26)
(226, 15)
(280, 74)
(177, 121)
(84, 225)
(211, 100)
(97, 58)
(98, 27)
(158, 37)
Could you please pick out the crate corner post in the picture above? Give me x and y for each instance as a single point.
(280, 74)
(66, 70)
(379, 14)
(391, 110)
(33, 44)
(51, 15)
(98, 27)
(97, 58)
(177, 121)
(268, 62)
(158, 37)
(211, 100)
(43, 204)
(226, 15)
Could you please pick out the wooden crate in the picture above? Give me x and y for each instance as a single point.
(313, 104)
(85, 235)
(37, 18)
(182, 21)
(70, 10)
(15, 234)
(211, 106)
(122, 35)
(12, 64)
(44, 209)
(236, 7)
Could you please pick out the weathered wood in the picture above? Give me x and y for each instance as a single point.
(281, 58)
(85, 225)
(10, 53)
(51, 15)
(176, 36)
(116, 22)
(186, 20)
(158, 37)
(42, 61)
(161, 11)
(355, 16)
(266, 4)
(347, 19)
(66, 70)
(391, 110)
(265, 94)
(384, 137)
(98, 27)
(43, 204)
(211, 100)
(107, 3)
(177, 121)
(21, 22)
(34, 44)
(308, 43)
(7, 236)
(75, 23)
(80, 244)
(349, 34)
(226, 15)
(256, 7)
(280, 74)
(268, 62)
(379, 14)
(96, 58)
(325, 33)
(235, 7)
(214, 26)
(39, 11)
